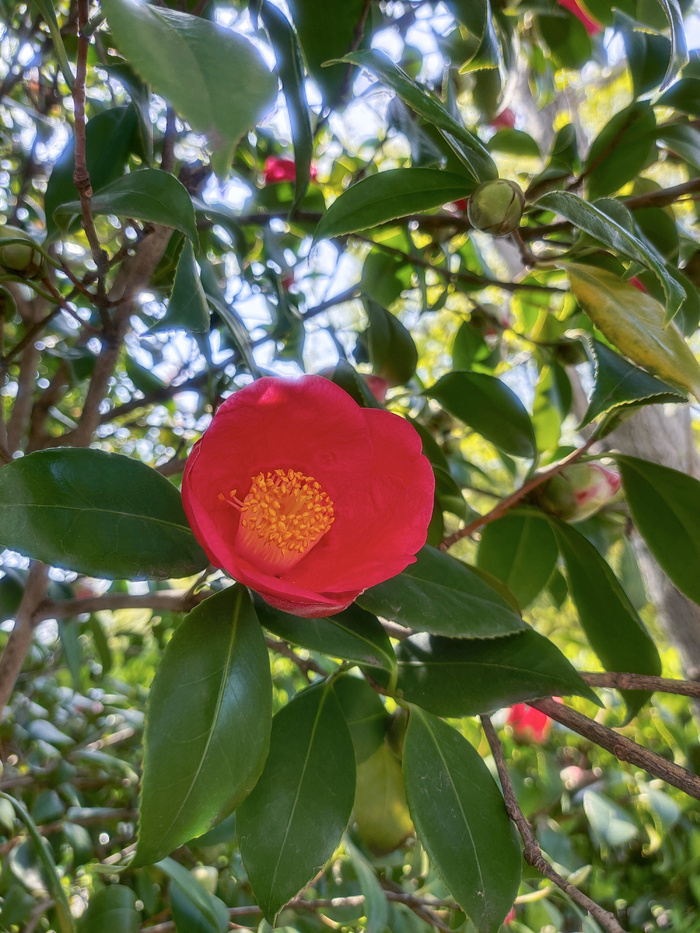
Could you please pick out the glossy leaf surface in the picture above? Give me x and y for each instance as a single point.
(354, 634)
(228, 86)
(461, 819)
(290, 825)
(441, 595)
(520, 550)
(147, 194)
(207, 725)
(96, 513)
(611, 623)
(490, 408)
(464, 677)
(388, 195)
(665, 506)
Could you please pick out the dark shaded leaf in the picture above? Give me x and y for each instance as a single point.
(465, 677)
(96, 513)
(292, 822)
(461, 819)
(490, 408)
(207, 724)
(442, 595)
(213, 77)
(610, 621)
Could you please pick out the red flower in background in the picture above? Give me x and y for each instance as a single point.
(528, 724)
(510, 916)
(504, 121)
(277, 170)
(593, 27)
(304, 496)
(637, 284)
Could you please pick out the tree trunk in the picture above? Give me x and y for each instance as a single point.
(663, 434)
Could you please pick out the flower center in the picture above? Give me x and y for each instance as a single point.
(283, 516)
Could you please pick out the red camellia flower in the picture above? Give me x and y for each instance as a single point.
(505, 120)
(304, 496)
(593, 27)
(637, 284)
(277, 170)
(528, 724)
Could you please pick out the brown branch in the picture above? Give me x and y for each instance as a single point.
(532, 852)
(81, 176)
(620, 681)
(21, 636)
(425, 905)
(304, 664)
(622, 748)
(513, 499)
(163, 600)
(470, 277)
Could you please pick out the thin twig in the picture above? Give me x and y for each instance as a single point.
(622, 748)
(305, 665)
(532, 851)
(514, 498)
(163, 600)
(81, 175)
(21, 636)
(620, 681)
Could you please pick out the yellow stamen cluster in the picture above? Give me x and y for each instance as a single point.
(283, 515)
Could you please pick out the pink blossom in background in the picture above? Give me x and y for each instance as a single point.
(593, 27)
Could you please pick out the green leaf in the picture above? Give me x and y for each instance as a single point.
(441, 595)
(387, 195)
(291, 824)
(353, 635)
(207, 724)
(205, 904)
(599, 225)
(147, 194)
(679, 46)
(620, 151)
(634, 323)
(477, 17)
(364, 713)
(464, 677)
(619, 385)
(97, 513)
(683, 140)
(213, 77)
(391, 349)
(520, 550)
(468, 147)
(109, 139)
(514, 142)
(291, 72)
(461, 819)
(46, 8)
(49, 873)
(187, 307)
(611, 623)
(112, 910)
(326, 31)
(610, 823)
(376, 906)
(490, 408)
(665, 507)
(188, 916)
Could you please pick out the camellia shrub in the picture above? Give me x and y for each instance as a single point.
(349, 498)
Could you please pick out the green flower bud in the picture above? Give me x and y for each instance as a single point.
(579, 491)
(18, 257)
(496, 207)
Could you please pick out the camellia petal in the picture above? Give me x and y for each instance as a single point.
(304, 496)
